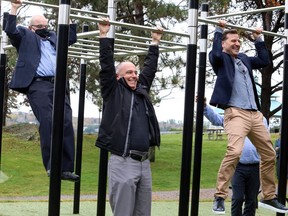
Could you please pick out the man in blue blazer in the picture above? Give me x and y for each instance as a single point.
(235, 92)
(34, 76)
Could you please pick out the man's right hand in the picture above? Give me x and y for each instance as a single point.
(15, 4)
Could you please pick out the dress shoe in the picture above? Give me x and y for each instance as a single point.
(69, 176)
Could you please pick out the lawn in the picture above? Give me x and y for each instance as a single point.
(22, 163)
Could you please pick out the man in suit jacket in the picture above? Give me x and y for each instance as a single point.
(34, 76)
(235, 92)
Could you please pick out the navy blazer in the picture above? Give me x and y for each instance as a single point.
(223, 65)
(27, 44)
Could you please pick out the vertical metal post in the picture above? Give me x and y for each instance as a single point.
(1, 8)
(188, 109)
(58, 108)
(284, 122)
(102, 179)
(103, 163)
(80, 130)
(199, 117)
(3, 59)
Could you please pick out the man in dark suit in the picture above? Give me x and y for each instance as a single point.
(34, 76)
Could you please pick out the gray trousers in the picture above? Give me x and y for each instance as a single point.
(130, 186)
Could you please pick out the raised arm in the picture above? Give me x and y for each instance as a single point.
(147, 75)
(12, 32)
(107, 73)
(216, 54)
(262, 58)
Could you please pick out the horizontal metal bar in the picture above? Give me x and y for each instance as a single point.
(96, 33)
(241, 27)
(82, 57)
(86, 34)
(122, 54)
(129, 25)
(247, 12)
(147, 39)
(89, 52)
(72, 9)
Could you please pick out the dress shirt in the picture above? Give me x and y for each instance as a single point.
(249, 154)
(242, 93)
(47, 65)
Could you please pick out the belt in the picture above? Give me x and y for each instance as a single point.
(138, 155)
(49, 79)
(226, 107)
(250, 164)
(252, 110)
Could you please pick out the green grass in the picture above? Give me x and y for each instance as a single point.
(22, 163)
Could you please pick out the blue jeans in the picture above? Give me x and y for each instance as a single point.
(245, 187)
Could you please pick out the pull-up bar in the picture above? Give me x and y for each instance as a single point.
(247, 12)
(241, 27)
(129, 25)
(72, 9)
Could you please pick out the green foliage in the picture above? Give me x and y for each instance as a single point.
(148, 13)
(217, 7)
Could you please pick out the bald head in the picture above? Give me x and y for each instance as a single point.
(128, 71)
(123, 66)
(38, 22)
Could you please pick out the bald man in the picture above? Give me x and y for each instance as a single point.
(34, 76)
(128, 127)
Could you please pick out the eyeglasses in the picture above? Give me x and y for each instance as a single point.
(40, 26)
(131, 72)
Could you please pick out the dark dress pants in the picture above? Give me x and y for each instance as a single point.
(245, 187)
(40, 96)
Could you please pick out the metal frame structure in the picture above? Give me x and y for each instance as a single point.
(86, 49)
(127, 45)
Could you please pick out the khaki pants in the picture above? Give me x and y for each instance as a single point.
(238, 124)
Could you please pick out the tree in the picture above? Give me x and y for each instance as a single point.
(147, 13)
